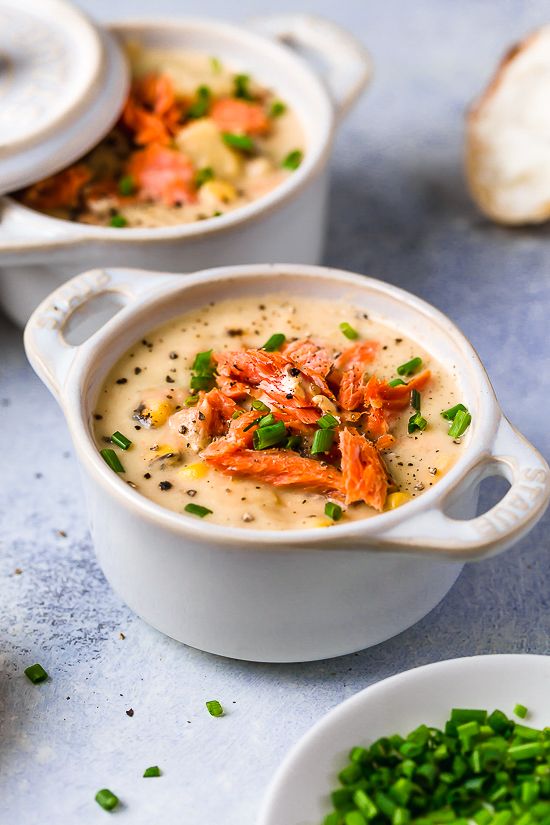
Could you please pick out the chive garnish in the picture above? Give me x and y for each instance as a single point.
(215, 65)
(201, 104)
(36, 674)
(203, 176)
(520, 711)
(241, 90)
(460, 424)
(397, 382)
(416, 422)
(450, 414)
(333, 511)
(201, 382)
(293, 160)
(214, 707)
(267, 420)
(327, 420)
(269, 436)
(121, 440)
(112, 460)
(415, 400)
(259, 405)
(197, 510)
(203, 362)
(252, 424)
(294, 442)
(191, 400)
(349, 331)
(410, 367)
(203, 370)
(154, 770)
(277, 109)
(275, 342)
(242, 142)
(127, 185)
(118, 221)
(322, 441)
(106, 799)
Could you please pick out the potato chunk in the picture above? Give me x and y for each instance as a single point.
(202, 142)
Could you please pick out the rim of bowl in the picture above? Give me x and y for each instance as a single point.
(315, 156)
(481, 430)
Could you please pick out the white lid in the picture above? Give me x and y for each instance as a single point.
(63, 83)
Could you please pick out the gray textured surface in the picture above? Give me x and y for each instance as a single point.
(400, 212)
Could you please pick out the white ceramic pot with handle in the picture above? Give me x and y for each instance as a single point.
(38, 252)
(294, 595)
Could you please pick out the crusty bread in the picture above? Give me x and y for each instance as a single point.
(508, 136)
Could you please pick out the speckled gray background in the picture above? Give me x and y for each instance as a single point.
(399, 211)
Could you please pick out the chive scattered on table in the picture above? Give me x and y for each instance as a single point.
(333, 511)
(120, 440)
(410, 366)
(36, 674)
(197, 510)
(520, 711)
(111, 458)
(154, 770)
(106, 799)
(349, 331)
(460, 424)
(322, 440)
(214, 708)
(275, 342)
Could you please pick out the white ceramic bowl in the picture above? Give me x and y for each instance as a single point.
(299, 793)
(38, 253)
(281, 595)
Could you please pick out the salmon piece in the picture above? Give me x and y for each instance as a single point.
(231, 388)
(377, 424)
(58, 191)
(383, 442)
(207, 419)
(272, 373)
(151, 111)
(282, 468)
(351, 394)
(361, 355)
(313, 360)
(239, 116)
(364, 475)
(379, 393)
(163, 174)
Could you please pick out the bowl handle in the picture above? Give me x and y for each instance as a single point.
(48, 351)
(434, 532)
(348, 66)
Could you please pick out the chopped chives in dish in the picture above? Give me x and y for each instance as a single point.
(397, 382)
(333, 510)
(111, 458)
(269, 436)
(197, 510)
(411, 366)
(121, 440)
(416, 422)
(275, 342)
(293, 159)
(322, 441)
(349, 331)
(450, 414)
(460, 423)
(327, 420)
(242, 142)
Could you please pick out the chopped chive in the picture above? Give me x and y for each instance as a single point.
(460, 424)
(242, 142)
(127, 185)
(327, 420)
(409, 367)
(333, 511)
(293, 160)
(236, 414)
(202, 382)
(252, 424)
(322, 441)
(36, 674)
(416, 422)
(214, 708)
(106, 799)
(277, 109)
(294, 442)
(215, 65)
(520, 711)
(415, 400)
(259, 405)
(203, 176)
(197, 510)
(462, 715)
(450, 414)
(203, 362)
(191, 400)
(240, 87)
(201, 105)
(267, 420)
(397, 382)
(118, 221)
(112, 460)
(121, 440)
(275, 342)
(269, 436)
(349, 331)
(154, 770)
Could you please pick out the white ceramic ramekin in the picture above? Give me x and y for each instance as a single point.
(281, 595)
(38, 253)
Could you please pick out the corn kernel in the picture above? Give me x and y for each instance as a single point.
(395, 500)
(217, 192)
(321, 521)
(194, 471)
(158, 413)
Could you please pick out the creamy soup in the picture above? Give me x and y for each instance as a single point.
(196, 139)
(279, 414)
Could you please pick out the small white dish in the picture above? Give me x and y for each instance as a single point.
(299, 793)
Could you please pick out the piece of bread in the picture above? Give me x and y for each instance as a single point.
(508, 137)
